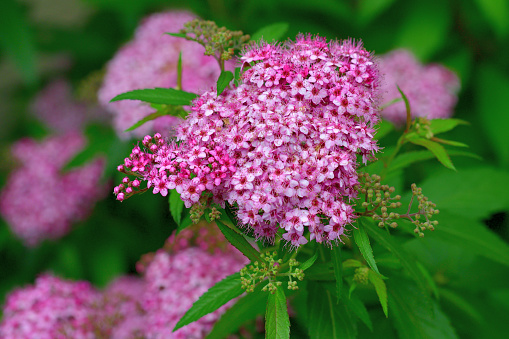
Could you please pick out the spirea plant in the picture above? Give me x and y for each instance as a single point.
(282, 155)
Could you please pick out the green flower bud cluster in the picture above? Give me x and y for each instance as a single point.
(426, 210)
(378, 200)
(422, 127)
(218, 41)
(197, 210)
(361, 275)
(269, 270)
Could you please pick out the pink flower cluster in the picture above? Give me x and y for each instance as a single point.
(282, 146)
(52, 309)
(39, 201)
(55, 106)
(150, 60)
(130, 307)
(431, 90)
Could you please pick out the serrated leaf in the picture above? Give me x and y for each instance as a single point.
(148, 118)
(326, 319)
(438, 126)
(168, 96)
(277, 322)
(338, 270)
(176, 206)
(218, 295)
(272, 32)
(239, 242)
(354, 304)
(362, 241)
(437, 149)
(404, 257)
(16, 40)
(475, 192)
(308, 263)
(243, 310)
(224, 80)
(381, 290)
(406, 159)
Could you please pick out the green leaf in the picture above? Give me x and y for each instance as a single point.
(406, 159)
(475, 192)
(326, 319)
(179, 72)
(449, 142)
(444, 125)
(411, 318)
(407, 109)
(383, 128)
(148, 118)
(243, 310)
(348, 263)
(471, 235)
(362, 241)
(425, 27)
(380, 288)
(437, 149)
(338, 270)
(16, 40)
(308, 263)
(218, 295)
(239, 242)
(177, 35)
(408, 262)
(277, 322)
(460, 303)
(186, 222)
(370, 9)
(354, 304)
(224, 80)
(491, 91)
(236, 78)
(272, 32)
(176, 206)
(168, 96)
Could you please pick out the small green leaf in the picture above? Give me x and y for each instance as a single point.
(308, 263)
(362, 241)
(177, 35)
(437, 149)
(245, 309)
(236, 78)
(404, 257)
(224, 80)
(407, 107)
(176, 206)
(186, 222)
(272, 32)
(168, 96)
(380, 288)
(218, 295)
(429, 279)
(148, 118)
(179, 72)
(338, 270)
(348, 263)
(449, 142)
(239, 242)
(438, 126)
(406, 159)
(277, 322)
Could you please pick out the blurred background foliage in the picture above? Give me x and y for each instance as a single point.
(44, 39)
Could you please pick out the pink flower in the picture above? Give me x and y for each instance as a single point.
(431, 90)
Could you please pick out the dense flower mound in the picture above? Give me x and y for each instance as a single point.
(175, 280)
(119, 314)
(431, 90)
(282, 146)
(55, 106)
(51, 309)
(150, 60)
(39, 201)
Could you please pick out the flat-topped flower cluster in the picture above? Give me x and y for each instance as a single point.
(282, 146)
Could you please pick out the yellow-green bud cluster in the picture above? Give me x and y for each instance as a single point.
(269, 270)
(422, 127)
(361, 275)
(218, 41)
(425, 208)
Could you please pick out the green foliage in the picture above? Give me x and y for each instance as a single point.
(271, 33)
(277, 323)
(176, 206)
(163, 96)
(224, 81)
(362, 241)
(238, 240)
(218, 295)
